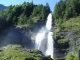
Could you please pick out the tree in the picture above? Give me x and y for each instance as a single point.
(47, 8)
(22, 19)
(59, 10)
(27, 14)
(70, 9)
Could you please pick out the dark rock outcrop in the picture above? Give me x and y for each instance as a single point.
(16, 35)
(60, 49)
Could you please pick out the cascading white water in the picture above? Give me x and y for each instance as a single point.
(49, 50)
(44, 40)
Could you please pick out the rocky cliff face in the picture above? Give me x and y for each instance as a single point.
(16, 35)
(65, 42)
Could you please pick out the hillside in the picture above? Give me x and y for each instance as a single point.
(16, 52)
(2, 7)
(67, 36)
(67, 31)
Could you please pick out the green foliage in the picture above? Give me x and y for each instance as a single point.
(26, 14)
(35, 19)
(12, 55)
(40, 11)
(56, 30)
(16, 52)
(22, 19)
(72, 24)
(72, 56)
(63, 41)
(59, 9)
(66, 9)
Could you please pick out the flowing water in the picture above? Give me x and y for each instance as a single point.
(44, 40)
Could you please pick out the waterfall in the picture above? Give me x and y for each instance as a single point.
(44, 40)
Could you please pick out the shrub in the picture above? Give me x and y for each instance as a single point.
(56, 30)
(65, 40)
(13, 53)
(72, 56)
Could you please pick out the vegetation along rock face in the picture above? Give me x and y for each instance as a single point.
(67, 33)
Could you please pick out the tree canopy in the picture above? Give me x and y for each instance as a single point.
(66, 9)
(25, 14)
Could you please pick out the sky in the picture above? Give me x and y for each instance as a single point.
(15, 2)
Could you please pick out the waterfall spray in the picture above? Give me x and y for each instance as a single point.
(44, 40)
